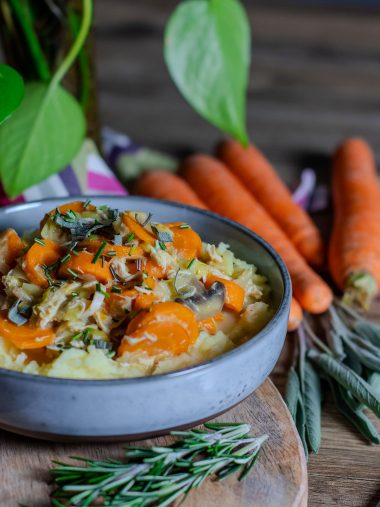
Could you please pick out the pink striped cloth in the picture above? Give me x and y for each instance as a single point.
(89, 174)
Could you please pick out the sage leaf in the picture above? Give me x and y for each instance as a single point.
(374, 382)
(207, 52)
(11, 91)
(301, 424)
(312, 406)
(348, 379)
(357, 417)
(41, 137)
(365, 351)
(369, 330)
(334, 341)
(292, 393)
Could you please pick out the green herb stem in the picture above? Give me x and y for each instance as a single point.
(77, 45)
(24, 18)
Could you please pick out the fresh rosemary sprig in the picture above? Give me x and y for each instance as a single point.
(156, 476)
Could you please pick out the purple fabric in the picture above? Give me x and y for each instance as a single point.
(70, 180)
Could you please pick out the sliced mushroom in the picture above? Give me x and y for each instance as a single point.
(207, 303)
(19, 313)
(186, 284)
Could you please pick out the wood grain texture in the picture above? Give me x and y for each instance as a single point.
(279, 478)
(315, 78)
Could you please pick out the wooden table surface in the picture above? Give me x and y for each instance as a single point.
(315, 78)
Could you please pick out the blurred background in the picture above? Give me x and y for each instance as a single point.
(315, 78)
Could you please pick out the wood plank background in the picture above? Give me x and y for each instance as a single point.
(315, 78)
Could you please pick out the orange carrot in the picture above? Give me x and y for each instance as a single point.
(26, 336)
(40, 255)
(11, 247)
(295, 316)
(234, 298)
(210, 325)
(185, 241)
(93, 245)
(261, 179)
(83, 266)
(354, 253)
(168, 327)
(225, 194)
(164, 185)
(138, 230)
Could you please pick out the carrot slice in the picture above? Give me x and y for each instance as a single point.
(185, 240)
(210, 325)
(83, 266)
(295, 316)
(11, 247)
(234, 299)
(165, 185)
(76, 206)
(26, 336)
(138, 230)
(225, 194)
(141, 301)
(37, 256)
(93, 245)
(168, 327)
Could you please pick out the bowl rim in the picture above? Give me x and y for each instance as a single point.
(190, 370)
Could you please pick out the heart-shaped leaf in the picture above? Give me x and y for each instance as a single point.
(11, 91)
(207, 51)
(41, 137)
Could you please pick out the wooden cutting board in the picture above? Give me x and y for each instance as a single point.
(278, 480)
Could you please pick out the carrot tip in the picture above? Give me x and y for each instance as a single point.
(360, 289)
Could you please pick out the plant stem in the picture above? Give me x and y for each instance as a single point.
(315, 338)
(22, 12)
(77, 45)
(83, 60)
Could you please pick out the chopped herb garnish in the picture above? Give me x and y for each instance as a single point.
(74, 294)
(102, 258)
(130, 237)
(99, 252)
(86, 204)
(111, 253)
(116, 289)
(73, 273)
(65, 258)
(47, 274)
(74, 252)
(190, 263)
(74, 244)
(99, 289)
(162, 245)
(184, 226)
(103, 207)
(39, 241)
(133, 248)
(76, 336)
(113, 273)
(92, 237)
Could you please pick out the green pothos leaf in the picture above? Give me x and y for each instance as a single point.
(207, 51)
(11, 91)
(41, 137)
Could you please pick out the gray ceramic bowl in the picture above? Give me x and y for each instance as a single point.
(65, 409)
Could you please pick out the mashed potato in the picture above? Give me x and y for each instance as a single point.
(98, 294)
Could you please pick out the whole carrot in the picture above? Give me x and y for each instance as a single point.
(164, 185)
(354, 251)
(295, 315)
(261, 179)
(225, 194)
